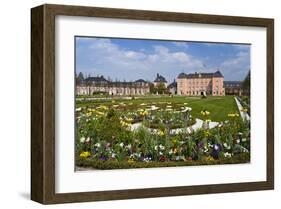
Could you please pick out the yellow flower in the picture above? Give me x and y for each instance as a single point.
(143, 112)
(205, 112)
(233, 115)
(99, 113)
(161, 133)
(209, 158)
(131, 161)
(129, 120)
(85, 154)
(103, 107)
(125, 124)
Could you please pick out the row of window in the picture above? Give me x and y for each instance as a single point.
(196, 93)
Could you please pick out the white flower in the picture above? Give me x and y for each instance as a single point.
(160, 153)
(156, 148)
(129, 146)
(244, 139)
(161, 147)
(97, 144)
(82, 139)
(88, 139)
(244, 149)
(78, 109)
(121, 144)
(206, 149)
(170, 152)
(226, 146)
(216, 147)
(238, 141)
(228, 155)
(113, 155)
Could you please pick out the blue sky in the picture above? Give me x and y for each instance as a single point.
(132, 59)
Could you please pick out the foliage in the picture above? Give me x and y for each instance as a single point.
(132, 134)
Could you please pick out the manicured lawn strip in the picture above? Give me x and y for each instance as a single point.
(97, 164)
(219, 107)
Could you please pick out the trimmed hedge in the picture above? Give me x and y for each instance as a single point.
(105, 165)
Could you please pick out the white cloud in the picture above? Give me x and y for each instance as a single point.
(181, 44)
(236, 67)
(110, 59)
(242, 46)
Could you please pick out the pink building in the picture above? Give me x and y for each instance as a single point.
(197, 84)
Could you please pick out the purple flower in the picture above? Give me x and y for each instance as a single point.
(102, 158)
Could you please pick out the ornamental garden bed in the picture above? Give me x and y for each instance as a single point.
(137, 133)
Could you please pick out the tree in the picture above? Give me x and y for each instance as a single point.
(246, 85)
(161, 88)
(80, 78)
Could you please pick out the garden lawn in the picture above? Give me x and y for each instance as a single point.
(219, 107)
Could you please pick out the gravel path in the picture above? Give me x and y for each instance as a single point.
(244, 115)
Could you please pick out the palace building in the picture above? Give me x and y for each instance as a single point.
(100, 85)
(196, 84)
(160, 80)
(233, 88)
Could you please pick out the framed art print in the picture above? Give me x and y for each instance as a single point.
(135, 104)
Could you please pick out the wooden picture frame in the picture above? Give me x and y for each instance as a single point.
(43, 103)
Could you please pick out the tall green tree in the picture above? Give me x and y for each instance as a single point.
(246, 84)
(80, 78)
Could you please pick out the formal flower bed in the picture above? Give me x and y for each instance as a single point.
(131, 136)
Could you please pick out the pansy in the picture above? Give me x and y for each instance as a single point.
(216, 147)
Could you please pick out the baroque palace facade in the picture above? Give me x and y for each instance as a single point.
(193, 84)
(199, 84)
(99, 84)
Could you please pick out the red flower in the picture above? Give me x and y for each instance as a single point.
(162, 159)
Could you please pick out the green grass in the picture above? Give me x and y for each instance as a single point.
(219, 107)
